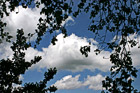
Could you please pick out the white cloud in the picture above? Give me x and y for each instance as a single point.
(25, 18)
(135, 54)
(65, 55)
(135, 51)
(94, 82)
(69, 82)
(5, 51)
(68, 21)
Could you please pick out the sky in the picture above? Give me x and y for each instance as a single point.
(76, 73)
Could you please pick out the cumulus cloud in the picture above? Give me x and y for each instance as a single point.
(135, 54)
(66, 55)
(69, 82)
(25, 18)
(5, 51)
(94, 82)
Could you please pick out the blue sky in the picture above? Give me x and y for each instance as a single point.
(76, 73)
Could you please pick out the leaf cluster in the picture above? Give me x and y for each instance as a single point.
(122, 19)
(119, 17)
(56, 12)
(11, 69)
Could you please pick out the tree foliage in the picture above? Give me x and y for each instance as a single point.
(122, 18)
(119, 17)
(11, 69)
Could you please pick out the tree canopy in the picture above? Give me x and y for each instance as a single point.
(119, 17)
